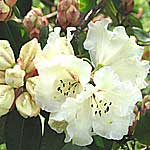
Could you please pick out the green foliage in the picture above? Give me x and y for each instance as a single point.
(21, 133)
(142, 130)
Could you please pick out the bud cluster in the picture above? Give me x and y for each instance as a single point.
(68, 13)
(6, 9)
(34, 21)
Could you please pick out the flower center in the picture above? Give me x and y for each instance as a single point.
(67, 88)
(100, 106)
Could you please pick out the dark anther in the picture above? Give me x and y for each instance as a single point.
(94, 96)
(100, 112)
(110, 103)
(95, 112)
(107, 109)
(73, 92)
(69, 83)
(105, 104)
(61, 81)
(97, 106)
(69, 88)
(58, 88)
(91, 105)
(100, 101)
(63, 84)
(60, 91)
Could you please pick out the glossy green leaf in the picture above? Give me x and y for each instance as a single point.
(85, 5)
(2, 127)
(51, 140)
(24, 6)
(141, 35)
(70, 146)
(22, 134)
(142, 130)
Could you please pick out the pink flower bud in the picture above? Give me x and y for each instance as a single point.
(68, 13)
(34, 21)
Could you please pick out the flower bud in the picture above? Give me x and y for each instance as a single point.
(27, 54)
(30, 85)
(26, 106)
(68, 13)
(7, 59)
(6, 98)
(2, 77)
(15, 76)
(5, 11)
(34, 21)
(10, 2)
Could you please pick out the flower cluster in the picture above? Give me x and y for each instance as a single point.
(82, 101)
(17, 80)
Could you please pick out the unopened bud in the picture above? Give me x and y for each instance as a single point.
(68, 13)
(34, 21)
(15, 76)
(30, 85)
(6, 98)
(27, 106)
(2, 77)
(27, 54)
(10, 2)
(7, 59)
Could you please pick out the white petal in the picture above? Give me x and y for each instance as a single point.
(63, 67)
(133, 70)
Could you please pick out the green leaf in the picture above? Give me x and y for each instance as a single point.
(2, 127)
(70, 146)
(107, 144)
(22, 134)
(44, 36)
(51, 140)
(132, 21)
(141, 35)
(24, 6)
(142, 130)
(86, 5)
(111, 11)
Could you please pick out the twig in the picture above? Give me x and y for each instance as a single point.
(51, 15)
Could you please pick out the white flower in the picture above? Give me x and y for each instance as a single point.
(57, 44)
(62, 77)
(116, 49)
(105, 110)
(6, 98)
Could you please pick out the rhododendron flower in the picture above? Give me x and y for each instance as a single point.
(105, 110)
(63, 76)
(14, 76)
(116, 49)
(58, 45)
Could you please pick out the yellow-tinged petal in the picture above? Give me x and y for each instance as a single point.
(7, 59)
(6, 98)
(2, 77)
(28, 53)
(30, 85)
(27, 106)
(15, 76)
